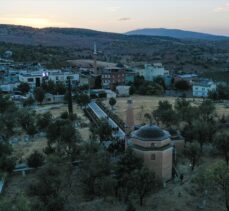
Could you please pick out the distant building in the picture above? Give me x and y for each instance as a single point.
(202, 87)
(129, 76)
(186, 77)
(35, 78)
(113, 76)
(150, 72)
(123, 91)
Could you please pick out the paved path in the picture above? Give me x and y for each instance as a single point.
(102, 115)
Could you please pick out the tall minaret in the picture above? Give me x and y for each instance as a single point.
(95, 59)
(129, 117)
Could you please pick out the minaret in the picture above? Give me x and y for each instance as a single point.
(95, 59)
(129, 117)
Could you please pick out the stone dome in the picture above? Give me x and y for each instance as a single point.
(150, 133)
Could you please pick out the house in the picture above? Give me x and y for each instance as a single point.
(202, 87)
(35, 78)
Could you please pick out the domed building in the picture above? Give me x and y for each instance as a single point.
(154, 146)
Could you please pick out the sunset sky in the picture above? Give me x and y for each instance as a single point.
(211, 16)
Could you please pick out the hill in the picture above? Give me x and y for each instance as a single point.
(176, 33)
(54, 46)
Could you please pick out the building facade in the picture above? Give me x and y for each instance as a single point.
(201, 88)
(35, 78)
(113, 75)
(150, 72)
(154, 146)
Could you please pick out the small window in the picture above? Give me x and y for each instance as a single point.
(153, 157)
(152, 145)
(30, 79)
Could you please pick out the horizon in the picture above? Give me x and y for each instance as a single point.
(60, 27)
(117, 16)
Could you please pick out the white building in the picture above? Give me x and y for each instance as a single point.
(201, 88)
(35, 78)
(150, 72)
(123, 91)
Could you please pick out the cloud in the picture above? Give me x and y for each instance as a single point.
(223, 8)
(124, 19)
(113, 9)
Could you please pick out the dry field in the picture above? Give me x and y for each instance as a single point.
(147, 104)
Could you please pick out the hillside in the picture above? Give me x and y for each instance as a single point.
(54, 46)
(180, 34)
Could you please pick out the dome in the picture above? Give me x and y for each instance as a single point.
(150, 133)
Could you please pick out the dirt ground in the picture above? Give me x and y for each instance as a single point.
(147, 104)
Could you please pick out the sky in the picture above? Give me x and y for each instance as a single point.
(210, 16)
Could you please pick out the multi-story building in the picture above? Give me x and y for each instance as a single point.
(35, 78)
(113, 75)
(150, 72)
(202, 87)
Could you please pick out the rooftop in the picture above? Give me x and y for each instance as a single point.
(150, 133)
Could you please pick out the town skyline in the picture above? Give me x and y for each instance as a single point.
(118, 16)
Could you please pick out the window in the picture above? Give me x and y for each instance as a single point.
(30, 79)
(57, 78)
(152, 145)
(153, 157)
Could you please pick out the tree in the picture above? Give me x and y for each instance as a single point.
(182, 106)
(182, 85)
(29, 101)
(207, 110)
(104, 130)
(200, 130)
(6, 103)
(39, 94)
(165, 113)
(35, 160)
(47, 188)
(222, 144)
(24, 87)
(43, 121)
(124, 170)
(160, 80)
(143, 182)
(70, 108)
(192, 151)
(21, 203)
(63, 138)
(95, 175)
(112, 102)
(220, 177)
(27, 121)
(82, 99)
(7, 163)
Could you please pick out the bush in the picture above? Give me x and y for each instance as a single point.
(35, 160)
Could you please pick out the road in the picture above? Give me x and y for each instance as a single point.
(102, 115)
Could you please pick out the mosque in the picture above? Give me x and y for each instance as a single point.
(157, 147)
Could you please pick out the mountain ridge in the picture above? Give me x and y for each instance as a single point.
(176, 33)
